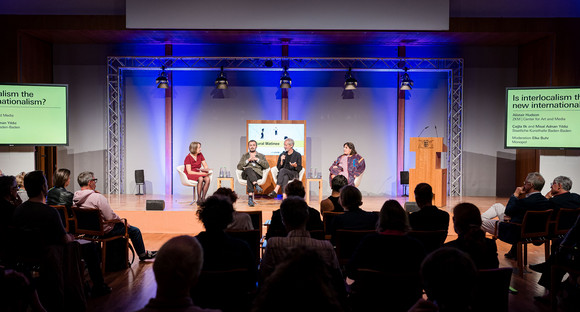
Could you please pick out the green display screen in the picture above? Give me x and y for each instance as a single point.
(546, 118)
(33, 114)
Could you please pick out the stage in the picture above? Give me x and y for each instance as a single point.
(179, 216)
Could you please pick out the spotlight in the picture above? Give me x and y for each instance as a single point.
(285, 81)
(221, 82)
(350, 83)
(268, 63)
(406, 82)
(162, 81)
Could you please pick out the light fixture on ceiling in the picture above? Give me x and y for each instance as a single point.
(406, 82)
(350, 82)
(221, 82)
(162, 81)
(285, 80)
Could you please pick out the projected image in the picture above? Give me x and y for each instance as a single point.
(33, 114)
(271, 136)
(542, 118)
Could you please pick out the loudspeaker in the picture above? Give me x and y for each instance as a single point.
(154, 204)
(404, 177)
(139, 176)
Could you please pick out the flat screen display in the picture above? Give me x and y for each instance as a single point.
(270, 136)
(543, 118)
(33, 114)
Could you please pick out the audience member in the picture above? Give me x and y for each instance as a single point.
(9, 200)
(560, 196)
(58, 195)
(222, 252)
(389, 251)
(354, 217)
(331, 203)
(242, 221)
(515, 209)
(16, 292)
(449, 279)
(176, 270)
(276, 228)
(471, 238)
(301, 282)
(429, 218)
(88, 197)
(21, 189)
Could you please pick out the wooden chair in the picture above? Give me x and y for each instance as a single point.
(492, 290)
(227, 290)
(347, 241)
(89, 225)
(327, 221)
(252, 237)
(431, 240)
(66, 221)
(256, 216)
(533, 229)
(565, 219)
(385, 291)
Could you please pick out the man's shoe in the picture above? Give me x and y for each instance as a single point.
(273, 194)
(510, 255)
(251, 202)
(258, 189)
(101, 290)
(148, 255)
(540, 267)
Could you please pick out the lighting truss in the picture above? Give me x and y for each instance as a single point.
(116, 65)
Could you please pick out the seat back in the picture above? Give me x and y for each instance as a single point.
(565, 219)
(227, 290)
(373, 289)
(301, 173)
(260, 181)
(252, 237)
(492, 290)
(88, 221)
(411, 207)
(274, 170)
(256, 216)
(239, 177)
(536, 224)
(347, 241)
(431, 240)
(183, 177)
(63, 216)
(358, 179)
(327, 219)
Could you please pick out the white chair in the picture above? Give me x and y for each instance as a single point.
(190, 183)
(260, 182)
(358, 179)
(274, 171)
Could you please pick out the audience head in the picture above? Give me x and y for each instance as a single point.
(294, 212)
(177, 266)
(8, 187)
(536, 180)
(20, 179)
(61, 177)
(449, 279)
(35, 184)
(561, 185)
(350, 146)
(87, 179)
(303, 275)
(227, 192)
(466, 216)
(423, 195)
(194, 147)
(338, 182)
(216, 213)
(295, 188)
(393, 217)
(350, 198)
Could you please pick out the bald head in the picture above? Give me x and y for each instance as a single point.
(177, 266)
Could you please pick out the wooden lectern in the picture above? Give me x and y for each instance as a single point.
(428, 168)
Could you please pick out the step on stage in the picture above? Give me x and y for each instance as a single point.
(179, 216)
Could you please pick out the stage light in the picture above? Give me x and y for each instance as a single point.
(162, 81)
(285, 80)
(406, 82)
(350, 83)
(221, 82)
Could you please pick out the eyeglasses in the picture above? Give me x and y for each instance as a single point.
(95, 180)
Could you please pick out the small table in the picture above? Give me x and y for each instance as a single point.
(308, 180)
(231, 179)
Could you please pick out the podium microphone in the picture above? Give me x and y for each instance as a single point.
(437, 134)
(423, 130)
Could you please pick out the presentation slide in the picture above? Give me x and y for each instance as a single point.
(270, 137)
(33, 114)
(547, 118)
